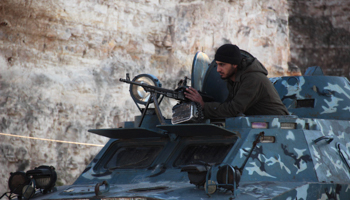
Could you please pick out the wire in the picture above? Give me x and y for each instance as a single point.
(50, 140)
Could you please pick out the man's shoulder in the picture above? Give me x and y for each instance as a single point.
(254, 75)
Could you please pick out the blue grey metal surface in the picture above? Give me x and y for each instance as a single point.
(305, 155)
(197, 130)
(199, 69)
(126, 133)
(325, 97)
(314, 71)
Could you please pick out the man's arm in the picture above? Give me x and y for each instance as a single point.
(251, 90)
(246, 96)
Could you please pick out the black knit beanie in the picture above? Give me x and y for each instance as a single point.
(228, 53)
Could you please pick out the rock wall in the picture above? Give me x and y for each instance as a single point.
(320, 35)
(60, 64)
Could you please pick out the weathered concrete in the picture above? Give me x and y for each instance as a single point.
(320, 35)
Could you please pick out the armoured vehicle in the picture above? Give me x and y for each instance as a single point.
(304, 155)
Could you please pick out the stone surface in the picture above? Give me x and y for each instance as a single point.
(320, 35)
(60, 64)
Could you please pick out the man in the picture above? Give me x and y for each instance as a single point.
(250, 91)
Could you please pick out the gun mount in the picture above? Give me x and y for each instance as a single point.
(146, 89)
(305, 155)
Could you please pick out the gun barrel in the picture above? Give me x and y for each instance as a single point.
(178, 95)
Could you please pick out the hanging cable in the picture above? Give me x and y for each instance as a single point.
(51, 140)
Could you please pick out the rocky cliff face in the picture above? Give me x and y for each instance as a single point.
(60, 64)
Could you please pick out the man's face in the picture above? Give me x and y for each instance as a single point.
(226, 70)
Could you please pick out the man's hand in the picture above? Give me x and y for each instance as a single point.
(193, 95)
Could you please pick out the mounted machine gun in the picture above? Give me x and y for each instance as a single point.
(146, 89)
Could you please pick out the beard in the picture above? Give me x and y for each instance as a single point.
(230, 74)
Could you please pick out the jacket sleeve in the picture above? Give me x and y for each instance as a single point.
(250, 91)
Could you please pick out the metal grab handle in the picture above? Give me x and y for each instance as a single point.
(345, 160)
(257, 140)
(328, 138)
(97, 188)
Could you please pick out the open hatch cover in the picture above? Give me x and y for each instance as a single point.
(127, 133)
(197, 130)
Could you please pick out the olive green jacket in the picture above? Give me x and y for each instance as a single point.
(252, 93)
